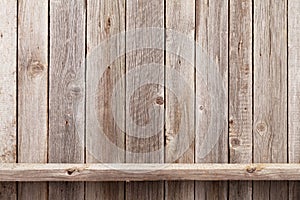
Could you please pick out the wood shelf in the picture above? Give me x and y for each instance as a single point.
(147, 172)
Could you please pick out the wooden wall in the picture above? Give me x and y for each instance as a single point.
(238, 63)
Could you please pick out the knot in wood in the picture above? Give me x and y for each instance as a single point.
(71, 171)
(251, 169)
(35, 69)
(235, 142)
(75, 92)
(261, 127)
(160, 100)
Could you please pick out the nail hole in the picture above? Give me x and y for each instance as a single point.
(108, 22)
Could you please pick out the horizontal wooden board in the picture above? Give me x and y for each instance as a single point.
(147, 172)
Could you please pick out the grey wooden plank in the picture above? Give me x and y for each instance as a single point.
(8, 190)
(105, 19)
(32, 91)
(180, 17)
(67, 91)
(294, 90)
(8, 90)
(212, 36)
(141, 14)
(33, 190)
(270, 92)
(148, 172)
(240, 92)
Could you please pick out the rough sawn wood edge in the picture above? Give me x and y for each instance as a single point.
(147, 172)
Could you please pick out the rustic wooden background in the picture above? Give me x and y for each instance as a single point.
(44, 82)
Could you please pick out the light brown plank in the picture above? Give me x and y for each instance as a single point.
(212, 36)
(141, 14)
(67, 91)
(32, 91)
(180, 17)
(105, 19)
(8, 90)
(147, 172)
(294, 90)
(240, 92)
(270, 92)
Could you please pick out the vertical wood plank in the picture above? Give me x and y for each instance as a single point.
(212, 36)
(8, 90)
(32, 91)
(67, 91)
(180, 17)
(240, 92)
(270, 92)
(141, 14)
(294, 90)
(104, 20)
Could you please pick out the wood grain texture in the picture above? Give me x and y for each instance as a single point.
(8, 88)
(270, 92)
(212, 36)
(180, 17)
(240, 92)
(67, 91)
(32, 91)
(263, 101)
(294, 90)
(147, 172)
(105, 19)
(141, 14)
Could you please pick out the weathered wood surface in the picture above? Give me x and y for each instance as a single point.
(139, 147)
(270, 92)
(8, 90)
(212, 36)
(32, 91)
(294, 90)
(147, 172)
(105, 19)
(67, 91)
(240, 92)
(247, 96)
(179, 107)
